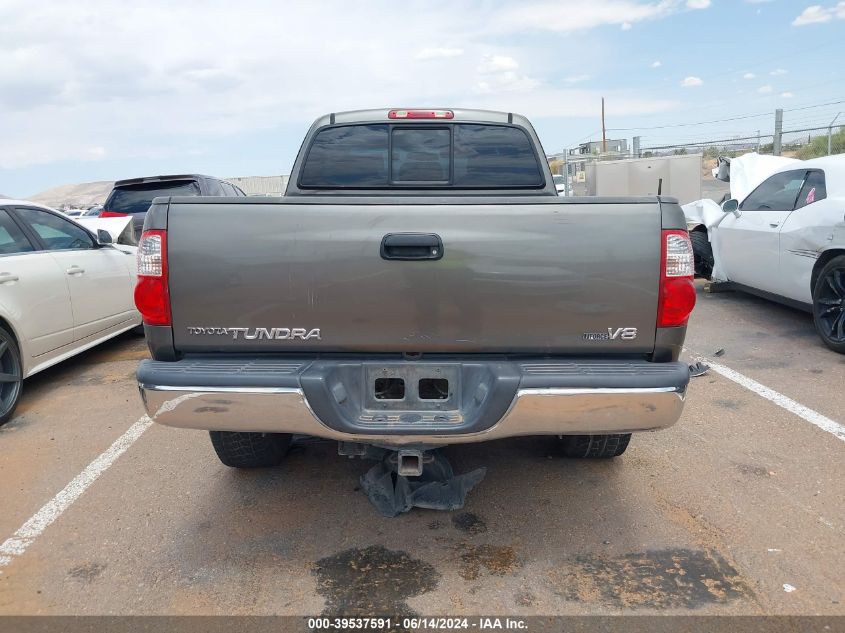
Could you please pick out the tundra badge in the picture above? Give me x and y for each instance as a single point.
(277, 333)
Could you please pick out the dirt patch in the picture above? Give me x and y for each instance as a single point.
(469, 523)
(495, 559)
(95, 379)
(87, 572)
(753, 470)
(729, 404)
(656, 579)
(364, 581)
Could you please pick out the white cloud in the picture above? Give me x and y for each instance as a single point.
(499, 74)
(497, 63)
(764, 90)
(787, 95)
(656, 64)
(817, 14)
(627, 26)
(75, 77)
(749, 76)
(698, 4)
(438, 52)
(691, 82)
(566, 16)
(778, 71)
(576, 79)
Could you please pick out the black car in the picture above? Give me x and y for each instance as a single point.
(133, 196)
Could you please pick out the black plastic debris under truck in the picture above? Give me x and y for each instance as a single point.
(420, 284)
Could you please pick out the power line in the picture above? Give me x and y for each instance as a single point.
(663, 127)
(726, 120)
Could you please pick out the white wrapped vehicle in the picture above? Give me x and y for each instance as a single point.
(783, 239)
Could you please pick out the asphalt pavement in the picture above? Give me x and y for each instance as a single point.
(737, 509)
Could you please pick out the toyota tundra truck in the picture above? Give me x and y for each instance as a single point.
(420, 284)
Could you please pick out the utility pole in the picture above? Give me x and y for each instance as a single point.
(758, 141)
(776, 142)
(566, 172)
(830, 133)
(603, 130)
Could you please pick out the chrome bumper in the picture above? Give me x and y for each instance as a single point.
(533, 411)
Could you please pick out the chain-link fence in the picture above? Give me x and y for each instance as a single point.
(803, 132)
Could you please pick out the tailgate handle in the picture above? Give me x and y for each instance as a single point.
(411, 246)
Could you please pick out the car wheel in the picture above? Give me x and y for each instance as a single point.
(702, 252)
(11, 375)
(595, 446)
(250, 450)
(829, 304)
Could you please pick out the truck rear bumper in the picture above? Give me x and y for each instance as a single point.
(498, 398)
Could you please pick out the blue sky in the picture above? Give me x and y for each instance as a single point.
(98, 90)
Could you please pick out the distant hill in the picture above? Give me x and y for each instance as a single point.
(84, 194)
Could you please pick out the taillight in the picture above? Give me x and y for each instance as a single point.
(152, 297)
(677, 291)
(420, 114)
(112, 214)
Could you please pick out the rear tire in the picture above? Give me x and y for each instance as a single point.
(11, 375)
(702, 252)
(250, 450)
(595, 446)
(829, 304)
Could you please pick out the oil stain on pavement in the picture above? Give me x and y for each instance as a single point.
(469, 523)
(656, 579)
(497, 560)
(87, 572)
(363, 581)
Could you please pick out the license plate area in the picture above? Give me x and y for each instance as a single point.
(412, 387)
(414, 397)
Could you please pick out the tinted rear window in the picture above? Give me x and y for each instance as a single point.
(137, 198)
(462, 155)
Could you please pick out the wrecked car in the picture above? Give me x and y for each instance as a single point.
(783, 239)
(420, 284)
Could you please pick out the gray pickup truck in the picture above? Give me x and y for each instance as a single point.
(420, 284)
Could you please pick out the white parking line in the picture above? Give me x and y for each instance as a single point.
(785, 402)
(18, 543)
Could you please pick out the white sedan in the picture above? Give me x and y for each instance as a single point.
(785, 240)
(63, 289)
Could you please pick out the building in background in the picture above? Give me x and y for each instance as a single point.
(261, 185)
(614, 146)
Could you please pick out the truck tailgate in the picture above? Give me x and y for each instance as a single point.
(515, 276)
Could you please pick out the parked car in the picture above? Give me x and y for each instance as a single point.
(420, 284)
(785, 241)
(92, 211)
(560, 184)
(133, 196)
(63, 289)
